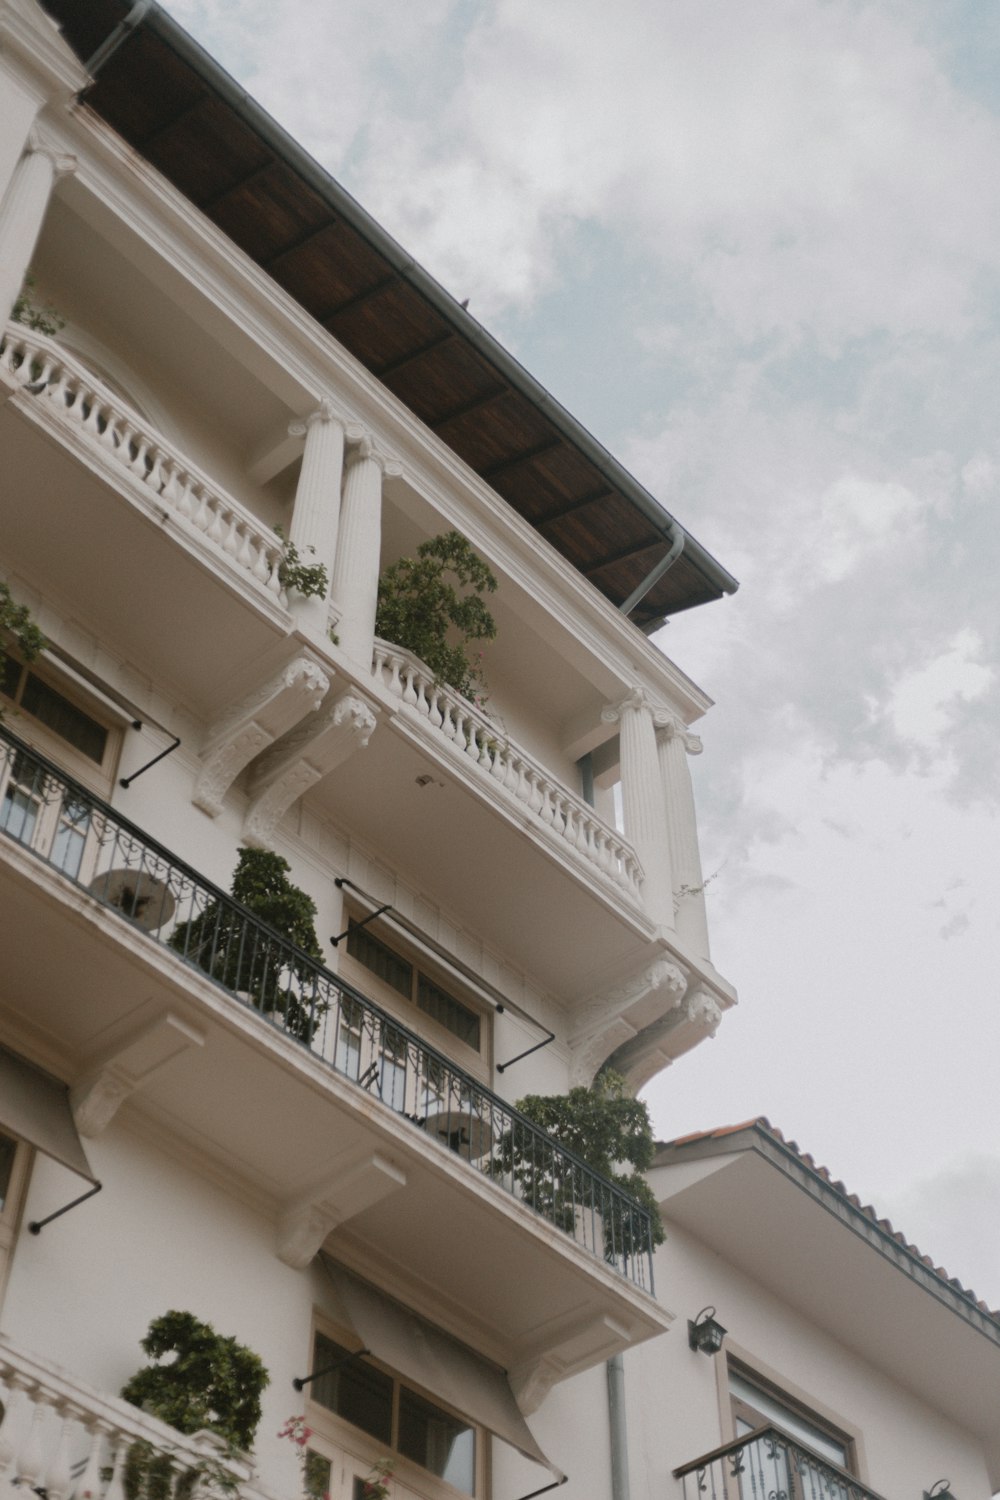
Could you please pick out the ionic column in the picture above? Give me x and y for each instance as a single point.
(21, 216)
(674, 744)
(356, 571)
(316, 514)
(642, 802)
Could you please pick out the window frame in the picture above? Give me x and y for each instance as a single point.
(97, 776)
(355, 1446)
(796, 1403)
(477, 1061)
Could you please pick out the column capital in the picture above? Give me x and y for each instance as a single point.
(63, 163)
(362, 444)
(669, 727)
(637, 700)
(324, 413)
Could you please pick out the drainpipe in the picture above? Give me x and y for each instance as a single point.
(619, 1433)
(115, 38)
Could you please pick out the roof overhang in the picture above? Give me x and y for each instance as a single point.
(189, 119)
(769, 1214)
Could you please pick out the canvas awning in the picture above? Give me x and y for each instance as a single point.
(34, 1106)
(433, 1359)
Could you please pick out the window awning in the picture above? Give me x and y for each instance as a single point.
(434, 1360)
(35, 1107)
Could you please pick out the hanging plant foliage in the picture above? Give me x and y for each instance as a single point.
(432, 605)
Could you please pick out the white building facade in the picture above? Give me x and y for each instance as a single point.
(238, 356)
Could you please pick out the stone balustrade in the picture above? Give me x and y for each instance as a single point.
(512, 772)
(62, 1439)
(39, 366)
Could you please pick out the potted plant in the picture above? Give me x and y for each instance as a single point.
(270, 967)
(611, 1132)
(432, 605)
(197, 1381)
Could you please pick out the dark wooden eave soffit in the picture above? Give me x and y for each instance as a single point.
(174, 105)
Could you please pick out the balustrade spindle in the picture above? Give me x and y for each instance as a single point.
(58, 1477)
(88, 1486)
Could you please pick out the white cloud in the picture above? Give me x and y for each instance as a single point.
(858, 516)
(924, 699)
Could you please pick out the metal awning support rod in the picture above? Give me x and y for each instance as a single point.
(37, 1225)
(300, 1382)
(494, 996)
(652, 578)
(126, 781)
(502, 1067)
(546, 1487)
(336, 941)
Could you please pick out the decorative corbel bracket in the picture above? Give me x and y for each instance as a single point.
(642, 1056)
(110, 1078)
(304, 1225)
(302, 758)
(608, 1021)
(249, 727)
(575, 1344)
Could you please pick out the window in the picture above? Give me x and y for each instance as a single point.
(35, 808)
(399, 1421)
(755, 1403)
(43, 702)
(414, 985)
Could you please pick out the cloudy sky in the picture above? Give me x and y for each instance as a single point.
(756, 249)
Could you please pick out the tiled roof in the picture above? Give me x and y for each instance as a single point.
(763, 1126)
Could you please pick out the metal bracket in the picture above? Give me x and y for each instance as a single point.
(126, 781)
(37, 1225)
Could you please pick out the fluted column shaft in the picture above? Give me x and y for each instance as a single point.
(316, 514)
(355, 582)
(674, 744)
(642, 803)
(21, 216)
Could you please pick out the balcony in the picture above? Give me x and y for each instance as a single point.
(74, 449)
(418, 1139)
(569, 823)
(768, 1462)
(202, 568)
(61, 1438)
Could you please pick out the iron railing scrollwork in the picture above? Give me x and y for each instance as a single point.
(71, 829)
(768, 1464)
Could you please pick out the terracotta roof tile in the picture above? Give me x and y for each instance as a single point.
(764, 1125)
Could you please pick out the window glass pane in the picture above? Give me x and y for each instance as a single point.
(357, 1391)
(71, 835)
(7, 1150)
(442, 1007)
(794, 1422)
(379, 959)
(317, 1475)
(10, 676)
(21, 799)
(64, 718)
(438, 1441)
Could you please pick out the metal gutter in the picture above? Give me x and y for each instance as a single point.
(339, 200)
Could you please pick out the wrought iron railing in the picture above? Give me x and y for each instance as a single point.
(765, 1465)
(63, 823)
